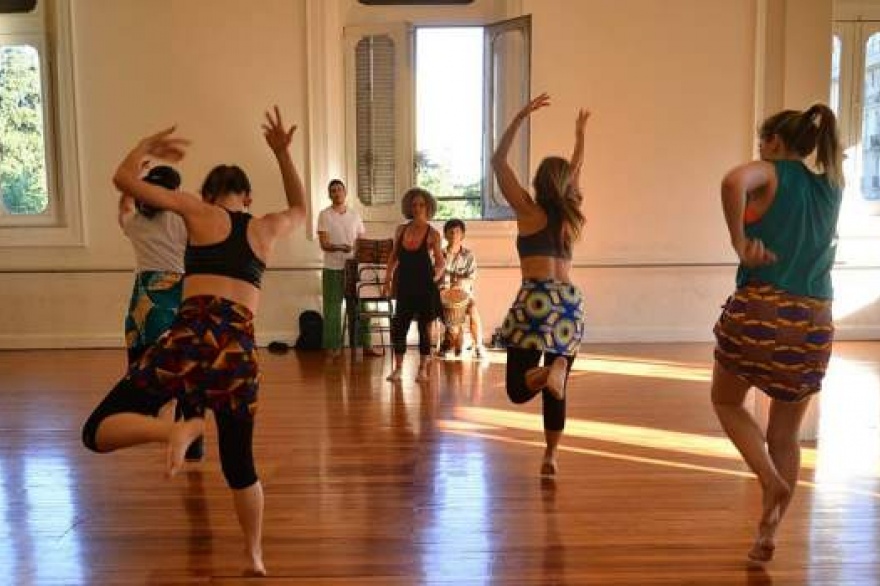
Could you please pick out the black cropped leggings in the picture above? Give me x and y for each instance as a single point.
(400, 323)
(235, 434)
(520, 361)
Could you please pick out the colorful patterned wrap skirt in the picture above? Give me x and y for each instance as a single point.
(775, 341)
(207, 359)
(155, 298)
(546, 315)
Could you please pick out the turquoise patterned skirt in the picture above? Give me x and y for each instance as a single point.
(155, 298)
(546, 315)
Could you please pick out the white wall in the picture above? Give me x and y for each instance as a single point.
(674, 87)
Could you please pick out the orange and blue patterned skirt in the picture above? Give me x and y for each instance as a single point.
(548, 316)
(208, 358)
(775, 341)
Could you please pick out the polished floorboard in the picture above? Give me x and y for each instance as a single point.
(369, 482)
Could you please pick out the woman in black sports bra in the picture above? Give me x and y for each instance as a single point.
(547, 314)
(208, 359)
(417, 258)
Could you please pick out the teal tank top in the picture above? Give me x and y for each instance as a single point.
(801, 228)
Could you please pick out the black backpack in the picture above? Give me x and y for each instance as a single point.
(311, 331)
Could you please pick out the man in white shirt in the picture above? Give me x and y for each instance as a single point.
(338, 228)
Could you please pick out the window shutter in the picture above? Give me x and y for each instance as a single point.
(375, 121)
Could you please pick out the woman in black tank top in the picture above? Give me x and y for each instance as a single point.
(415, 273)
(208, 360)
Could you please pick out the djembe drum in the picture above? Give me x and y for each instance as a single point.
(455, 305)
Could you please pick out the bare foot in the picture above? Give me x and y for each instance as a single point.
(422, 376)
(167, 411)
(394, 376)
(556, 378)
(536, 378)
(372, 352)
(183, 433)
(762, 551)
(549, 466)
(774, 499)
(255, 559)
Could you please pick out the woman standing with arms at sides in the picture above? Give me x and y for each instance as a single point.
(208, 359)
(776, 330)
(417, 256)
(547, 314)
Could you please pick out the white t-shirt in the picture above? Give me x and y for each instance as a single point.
(341, 229)
(159, 242)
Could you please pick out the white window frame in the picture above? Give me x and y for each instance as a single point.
(403, 35)
(48, 29)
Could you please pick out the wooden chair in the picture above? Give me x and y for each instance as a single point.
(364, 300)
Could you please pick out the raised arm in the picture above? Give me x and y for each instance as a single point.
(278, 138)
(577, 156)
(513, 192)
(127, 178)
(734, 191)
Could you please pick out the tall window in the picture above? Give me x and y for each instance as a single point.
(427, 106)
(38, 180)
(23, 182)
(855, 97)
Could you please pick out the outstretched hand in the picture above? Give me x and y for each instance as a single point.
(277, 137)
(581, 122)
(164, 146)
(535, 104)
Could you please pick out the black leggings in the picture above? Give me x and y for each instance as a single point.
(235, 434)
(521, 360)
(400, 323)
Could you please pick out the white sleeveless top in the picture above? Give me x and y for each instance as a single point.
(159, 242)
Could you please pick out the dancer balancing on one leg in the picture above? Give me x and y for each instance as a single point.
(208, 358)
(775, 331)
(158, 238)
(547, 313)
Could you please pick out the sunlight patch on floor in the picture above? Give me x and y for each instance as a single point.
(643, 460)
(646, 437)
(626, 366)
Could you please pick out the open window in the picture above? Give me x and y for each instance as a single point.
(426, 106)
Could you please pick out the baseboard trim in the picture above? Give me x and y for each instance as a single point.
(72, 342)
(600, 335)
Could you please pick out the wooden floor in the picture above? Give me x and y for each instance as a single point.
(372, 483)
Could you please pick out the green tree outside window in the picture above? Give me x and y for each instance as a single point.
(22, 148)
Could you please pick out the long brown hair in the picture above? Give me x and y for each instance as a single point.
(559, 198)
(814, 129)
